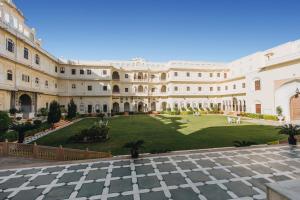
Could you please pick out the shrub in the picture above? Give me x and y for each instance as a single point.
(159, 150)
(270, 117)
(54, 114)
(243, 143)
(134, 147)
(37, 122)
(4, 121)
(290, 130)
(21, 129)
(43, 111)
(13, 111)
(72, 109)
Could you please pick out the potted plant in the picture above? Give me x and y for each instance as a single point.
(279, 113)
(290, 130)
(134, 147)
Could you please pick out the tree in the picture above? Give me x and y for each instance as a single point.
(134, 147)
(54, 113)
(21, 129)
(72, 109)
(290, 130)
(4, 121)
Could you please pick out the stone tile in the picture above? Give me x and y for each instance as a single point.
(121, 163)
(28, 171)
(70, 177)
(161, 159)
(121, 197)
(197, 156)
(142, 161)
(144, 169)
(62, 192)
(153, 196)
(3, 195)
(259, 183)
(184, 193)
(53, 169)
(280, 167)
(240, 189)
(28, 194)
(96, 174)
(100, 165)
(120, 172)
(197, 176)
(213, 192)
(220, 174)
(213, 155)
(261, 169)
(179, 158)
(43, 180)
(148, 182)
(121, 185)
(174, 179)
(224, 161)
(244, 152)
(185, 165)
(293, 163)
(229, 153)
(241, 171)
(77, 167)
(280, 178)
(166, 167)
(206, 163)
(242, 160)
(274, 156)
(258, 158)
(6, 173)
(91, 189)
(13, 182)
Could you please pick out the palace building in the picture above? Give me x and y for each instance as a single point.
(30, 78)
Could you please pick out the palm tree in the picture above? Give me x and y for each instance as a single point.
(134, 147)
(290, 130)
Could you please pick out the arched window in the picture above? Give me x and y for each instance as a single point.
(9, 75)
(37, 59)
(37, 80)
(115, 75)
(116, 89)
(10, 45)
(140, 89)
(163, 76)
(163, 88)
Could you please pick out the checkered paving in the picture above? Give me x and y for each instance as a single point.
(236, 174)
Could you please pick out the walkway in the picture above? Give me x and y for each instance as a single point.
(233, 174)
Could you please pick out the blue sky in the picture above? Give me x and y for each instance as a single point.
(162, 30)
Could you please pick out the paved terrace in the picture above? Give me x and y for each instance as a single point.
(227, 174)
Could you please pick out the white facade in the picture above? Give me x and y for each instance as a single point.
(37, 78)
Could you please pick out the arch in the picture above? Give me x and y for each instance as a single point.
(234, 104)
(164, 106)
(116, 89)
(140, 75)
(25, 104)
(295, 108)
(116, 107)
(153, 106)
(140, 107)
(163, 88)
(163, 76)
(126, 107)
(115, 75)
(140, 88)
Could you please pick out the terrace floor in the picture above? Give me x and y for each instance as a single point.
(216, 175)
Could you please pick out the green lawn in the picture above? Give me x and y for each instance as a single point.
(166, 132)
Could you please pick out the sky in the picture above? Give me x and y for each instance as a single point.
(161, 30)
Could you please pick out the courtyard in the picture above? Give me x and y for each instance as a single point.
(205, 175)
(163, 133)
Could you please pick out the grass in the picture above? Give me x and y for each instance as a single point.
(165, 132)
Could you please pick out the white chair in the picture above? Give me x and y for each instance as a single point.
(229, 120)
(238, 121)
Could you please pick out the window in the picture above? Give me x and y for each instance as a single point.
(9, 75)
(25, 78)
(152, 89)
(199, 74)
(81, 71)
(218, 74)
(55, 85)
(90, 88)
(46, 83)
(104, 88)
(104, 72)
(219, 88)
(126, 76)
(226, 87)
(126, 90)
(257, 85)
(188, 74)
(10, 46)
(258, 108)
(211, 89)
(37, 59)
(62, 70)
(37, 80)
(188, 88)
(210, 75)
(243, 85)
(26, 53)
(73, 86)
(55, 69)
(175, 73)
(175, 88)
(89, 72)
(199, 88)
(234, 86)
(73, 71)
(225, 75)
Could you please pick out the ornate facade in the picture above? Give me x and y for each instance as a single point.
(30, 78)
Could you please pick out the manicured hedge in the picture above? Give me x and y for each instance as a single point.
(260, 116)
